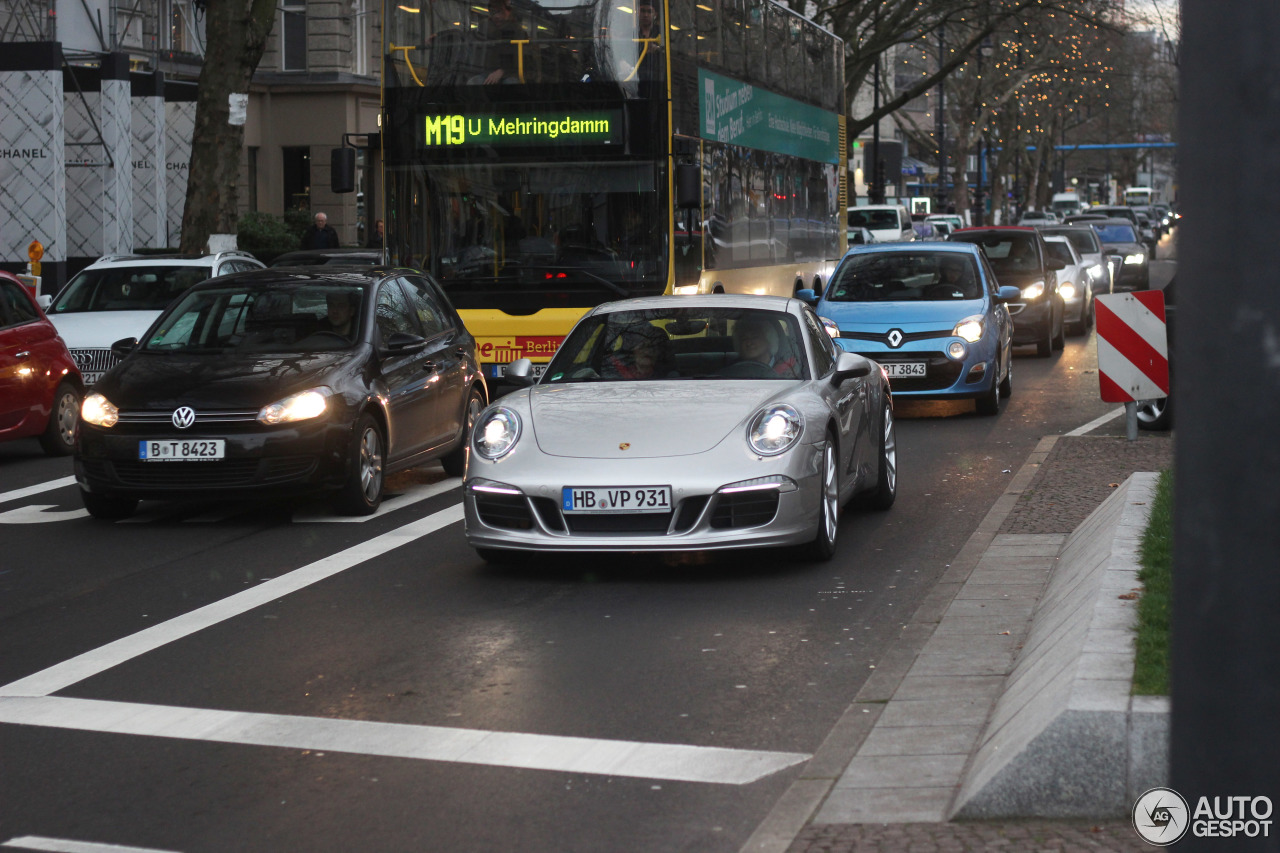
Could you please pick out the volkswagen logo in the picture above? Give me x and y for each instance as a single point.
(183, 417)
(895, 337)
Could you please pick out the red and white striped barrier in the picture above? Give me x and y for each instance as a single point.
(1133, 348)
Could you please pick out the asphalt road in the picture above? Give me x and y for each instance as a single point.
(210, 676)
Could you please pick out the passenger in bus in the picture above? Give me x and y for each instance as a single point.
(499, 56)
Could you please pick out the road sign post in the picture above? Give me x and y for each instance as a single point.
(1133, 351)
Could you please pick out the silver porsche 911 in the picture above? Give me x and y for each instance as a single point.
(683, 423)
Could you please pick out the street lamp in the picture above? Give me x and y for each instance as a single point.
(979, 193)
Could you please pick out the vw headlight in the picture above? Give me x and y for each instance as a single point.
(497, 433)
(830, 325)
(775, 430)
(1135, 258)
(1067, 290)
(302, 406)
(1034, 290)
(970, 328)
(97, 410)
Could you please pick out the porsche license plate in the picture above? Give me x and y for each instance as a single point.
(903, 369)
(612, 499)
(182, 450)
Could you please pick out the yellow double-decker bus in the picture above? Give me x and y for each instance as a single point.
(539, 158)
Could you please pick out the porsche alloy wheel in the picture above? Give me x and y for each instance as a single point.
(823, 546)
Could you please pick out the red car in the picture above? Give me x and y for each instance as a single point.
(40, 387)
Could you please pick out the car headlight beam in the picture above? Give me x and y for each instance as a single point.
(774, 430)
(1135, 258)
(1068, 291)
(302, 406)
(495, 435)
(970, 328)
(1034, 290)
(98, 410)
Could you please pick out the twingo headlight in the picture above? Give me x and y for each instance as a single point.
(970, 328)
(830, 325)
(1034, 290)
(495, 435)
(1135, 258)
(774, 430)
(302, 406)
(98, 410)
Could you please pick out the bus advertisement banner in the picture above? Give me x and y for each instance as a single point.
(742, 114)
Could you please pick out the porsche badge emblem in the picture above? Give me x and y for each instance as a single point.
(626, 445)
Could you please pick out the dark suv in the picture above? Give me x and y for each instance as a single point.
(1019, 258)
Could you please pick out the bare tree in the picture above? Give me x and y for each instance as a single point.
(236, 34)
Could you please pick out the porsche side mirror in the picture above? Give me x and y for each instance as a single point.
(850, 365)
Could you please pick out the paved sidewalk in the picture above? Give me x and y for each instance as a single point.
(887, 777)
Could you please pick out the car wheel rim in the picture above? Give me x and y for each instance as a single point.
(67, 411)
(370, 464)
(890, 451)
(830, 494)
(1150, 411)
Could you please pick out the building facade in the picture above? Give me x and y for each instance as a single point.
(97, 110)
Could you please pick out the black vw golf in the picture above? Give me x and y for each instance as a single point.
(281, 382)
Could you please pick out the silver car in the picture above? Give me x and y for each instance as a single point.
(683, 423)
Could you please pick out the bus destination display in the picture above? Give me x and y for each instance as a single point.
(559, 127)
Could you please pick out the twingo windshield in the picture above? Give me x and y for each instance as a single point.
(128, 288)
(525, 236)
(721, 344)
(905, 277)
(251, 320)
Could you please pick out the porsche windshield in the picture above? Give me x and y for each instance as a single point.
(905, 277)
(254, 320)
(680, 343)
(128, 288)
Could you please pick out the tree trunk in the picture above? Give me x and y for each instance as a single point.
(236, 35)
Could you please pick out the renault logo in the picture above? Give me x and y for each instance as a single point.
(895, 338)
(184, 417)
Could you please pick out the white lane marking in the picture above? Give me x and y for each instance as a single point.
(39, 514)
(1096, 422)
(66, 845)
(63, 675)
(36, 489)
(632, 759)
(408, 497)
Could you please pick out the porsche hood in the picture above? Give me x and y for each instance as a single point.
(636, 420)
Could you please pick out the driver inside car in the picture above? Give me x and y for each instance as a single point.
(757, 341)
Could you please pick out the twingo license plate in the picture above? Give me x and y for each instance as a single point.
(584, 499)
(904, 369)
(182, 450)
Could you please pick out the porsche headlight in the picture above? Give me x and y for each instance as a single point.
(774, 430)
(1034, 290)
(1067, 290)
(302, 406)
(1097, 272)
(97, 410)
(1135, 258)
(970, 328)
(497, 433)
(830, 325)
